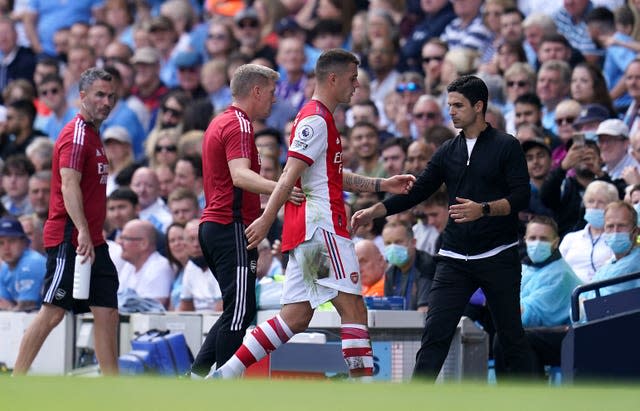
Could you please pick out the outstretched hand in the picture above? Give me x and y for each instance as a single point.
(398, 184)
(297, 196)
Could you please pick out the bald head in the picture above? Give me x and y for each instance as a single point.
(371, 261)
(138, 241)
(146, 185)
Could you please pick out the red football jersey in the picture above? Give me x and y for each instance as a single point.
(78, 147)
(229, 136)
(316, 141)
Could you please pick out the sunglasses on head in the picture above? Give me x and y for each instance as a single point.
(171, 148)
(517, 83)
(172, 111)
(411, 86)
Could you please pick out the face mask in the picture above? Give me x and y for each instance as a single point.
(595, 217)
(637, 207)
(619, 243)
(396, 254)
(590, 135)
(538, 251)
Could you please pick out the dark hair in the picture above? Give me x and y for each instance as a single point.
(177, 265)
(19, 163)
(363, 124)
(438, 134)
(124, 193)
(197, 115)
(368, 103)
(109, 27)
(603, 17)
(440, 198)
(334, 60)
(623, 15)
(600, 91)
(545, 220)
(196, 163)
(512, 10)
(529, 98)
(24, 107)
(401, 142)
(182, 96)
(114, 72)
(90, 75)
(49, 61)
(326, 26)
(555, 38)
(472, 88)
(51, 78)
(269, 131)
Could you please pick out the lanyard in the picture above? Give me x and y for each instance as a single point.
(593, 247)
(408, 286)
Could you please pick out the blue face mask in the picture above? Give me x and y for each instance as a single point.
(595, 217)
(637, 207)
(396, 254)
(619, 243)
(539, 251)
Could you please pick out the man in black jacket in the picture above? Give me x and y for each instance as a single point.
(488, 184)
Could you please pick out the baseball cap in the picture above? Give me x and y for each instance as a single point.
(10, 227)
(186, 59)
(117, 133)
(160, 23)
(613, 127)
(249, 13)
(146, 55)
(535, 142)
(592, 112)
(287, 24)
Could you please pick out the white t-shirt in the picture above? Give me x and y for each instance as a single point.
(157, 214)
(153, 280)
(200, 286)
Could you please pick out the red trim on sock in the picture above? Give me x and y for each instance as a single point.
(357, 352)
(245, 356)
(262, 339)
(348, 333)
(277, 327)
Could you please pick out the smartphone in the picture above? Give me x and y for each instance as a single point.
(578, 139)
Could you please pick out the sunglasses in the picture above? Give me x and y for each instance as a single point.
(248, 23)
(217, 36)
(402, 87)
(172, 111)
(427, 60)
(171, 149)
(52, 91)
(565, 120)
(517, 83)
(429, 115)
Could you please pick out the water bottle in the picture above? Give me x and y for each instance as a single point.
(81, 278)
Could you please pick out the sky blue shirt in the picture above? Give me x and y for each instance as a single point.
(122, 115)
(616, 60)
(24, 282)
(56, 14)
(545, 294)
(628, 264)
(53, 126)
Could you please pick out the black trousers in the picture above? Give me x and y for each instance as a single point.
(546, 348)
(225, 249)
(453, 284)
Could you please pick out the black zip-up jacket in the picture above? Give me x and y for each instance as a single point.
(497, 169)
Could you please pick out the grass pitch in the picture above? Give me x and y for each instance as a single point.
(156, 394)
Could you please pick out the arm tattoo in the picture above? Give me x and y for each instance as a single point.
(359, 184)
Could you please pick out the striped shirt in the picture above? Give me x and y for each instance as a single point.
(475, 36)
(576, 32)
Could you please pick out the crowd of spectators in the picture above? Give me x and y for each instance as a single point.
(563, 77)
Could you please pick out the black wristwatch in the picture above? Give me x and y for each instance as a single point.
(486, 209)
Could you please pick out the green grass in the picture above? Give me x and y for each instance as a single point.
(146, 393)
